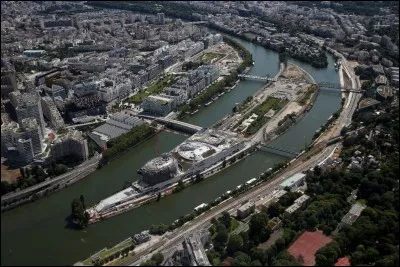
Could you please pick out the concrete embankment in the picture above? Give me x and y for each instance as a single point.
(49, 189)
(129, 149)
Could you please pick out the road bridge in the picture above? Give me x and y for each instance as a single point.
(175, 124)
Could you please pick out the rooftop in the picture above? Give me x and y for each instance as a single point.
(120, 196)
(292, 179)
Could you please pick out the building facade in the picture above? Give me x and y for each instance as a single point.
(51, 113)
(72, 144)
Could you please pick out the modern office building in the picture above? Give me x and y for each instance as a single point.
(158, 105)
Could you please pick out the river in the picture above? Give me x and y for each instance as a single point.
(36, 233)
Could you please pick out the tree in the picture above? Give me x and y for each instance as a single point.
(221, 237)
(274, 210)
(312, 221)
(148, 263)
(321, 260)
(158, 258)
(326, 230)
(356, 258)
(235, 243)
(258, 255)
(256, 263)
(5, 187)
(60, 169)
(317, 170)
(241, 259)
(371, 255)
(22, 171)
(27, 172)
(226, 219)
(79, 215)
(258, 231)
(82, 199)
(158, 229)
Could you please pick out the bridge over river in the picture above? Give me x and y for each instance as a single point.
(175, 124)
(326, 86)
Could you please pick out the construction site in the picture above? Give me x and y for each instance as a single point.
(279, 105)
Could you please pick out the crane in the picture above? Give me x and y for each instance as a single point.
(157, 147)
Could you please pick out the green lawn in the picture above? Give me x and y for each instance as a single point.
(271, 103)
(154, 88)
(109, 252)
(207, 57)
(234, 224)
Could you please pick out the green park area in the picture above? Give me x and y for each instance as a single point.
(208, 57)
(271, 103)
(112, 253)
(154, 88)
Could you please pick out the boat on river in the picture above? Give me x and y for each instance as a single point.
(208, 103)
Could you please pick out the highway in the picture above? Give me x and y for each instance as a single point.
(60, 179)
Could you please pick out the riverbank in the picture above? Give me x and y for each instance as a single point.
(295, 110)
(212, 92)
(50, 189)
(123, 143)
(47, 216)
(143, 200)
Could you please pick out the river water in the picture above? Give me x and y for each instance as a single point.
(36, 233)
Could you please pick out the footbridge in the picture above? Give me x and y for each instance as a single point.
(197, 22)
(326, 86)
(174, 124)
(337, 88)
(276, 150)
(257, 78)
